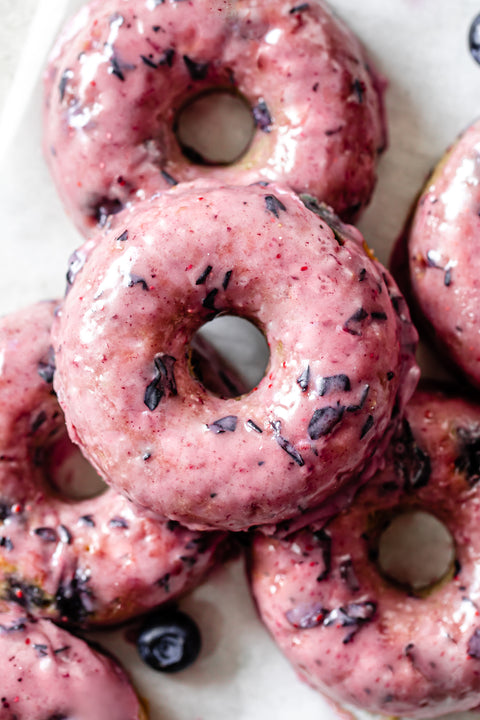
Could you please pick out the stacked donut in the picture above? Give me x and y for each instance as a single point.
(172, 244)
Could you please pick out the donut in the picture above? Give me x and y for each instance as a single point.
(341, 356)
(91, 562)
(441, 255)
(120, 74)
(49, 673)
(348, 630)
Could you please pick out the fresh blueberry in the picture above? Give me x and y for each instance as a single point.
(169, 642)
(474, 39)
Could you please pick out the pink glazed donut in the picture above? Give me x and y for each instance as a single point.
(48, 673)
(347, 630)
(121, 71)
(341, 356)
(443, 257)
(90, 562)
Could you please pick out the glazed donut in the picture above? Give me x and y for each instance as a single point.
(442, 255)
(120, 73)
(49, 673)
(341, 356)
(350, 632)
(90, 562)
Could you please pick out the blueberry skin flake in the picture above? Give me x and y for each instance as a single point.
(274, 205)
(225, 424)
(347, 574)
(334, 383)
(163, 383)
(47, 534)
(62, 85)
(208, 301)
(123, 237)
(411, 462)
(305, 616)
(169, 642)
(261, 116)
(203, 277)
(286, 444)
(324, 540)
(304, 379)
(46, 366)
(299, 8)
(369, 422)
(324, 420)
(473, 648)
(468, 460)
(168, 178)
(196, 70)
(474, 39)
(226, 279)
(354, 321)
(137, 280)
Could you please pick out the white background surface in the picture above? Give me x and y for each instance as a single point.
(434, 91)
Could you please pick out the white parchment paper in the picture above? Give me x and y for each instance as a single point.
(421, 47)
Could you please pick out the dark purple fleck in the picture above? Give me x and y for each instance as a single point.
(262, 117)
(304, 378)
(274, 205)
(358, 88)
(447, 278)
(362, 275)
(306, 616)
(254, 426)
(167, 57)
(378, 315)
(87, 520)
(209, 300)
(286, 444)
(105, 207)
(164, 582)
(47, 534)
(334, 383)
(324, 540)
(473, 647)
(38, 421)
(347, 574)
(24, 594)
(325, 213)
(351, 614)
(146, 456)
(62, 85)
(474, 39)
(368, 424)
(148, 62)
(118, 522)
(468, 461)
(363, 397)
(225, 424)
(196, 70)
(226, 279)
(163, 384)
(17, 626)
(390, 375)
(172, 525)
(76, 261)
(65, 535)
(46, 366)
(203, 277)
(168, 178)
(355, 320)
(137, 280)
(6, 543)
(115, 69)
(73, 598)
(41, 649)
(411, 462)
(299, 8)
(5, 510)
(334, 131)
(61, 650)
(123, 236)
(324, 420)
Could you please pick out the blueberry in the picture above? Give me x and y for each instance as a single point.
(474, 39)
(169, 642)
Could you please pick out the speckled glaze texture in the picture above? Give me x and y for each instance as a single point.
(122, 69)
(88, 562)
(48, 673)
(340, 341)
(348, 631)
(443, 254)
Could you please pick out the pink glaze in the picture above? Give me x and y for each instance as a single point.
(48, 673)
(117, 78)
(340, 341)
(443, 254)
(405, 654)
(88, 562)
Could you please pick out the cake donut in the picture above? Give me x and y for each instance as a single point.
(349, 631)
(49, 673)
(442, 253)
(90, 562)
(341, 356)
(120, 73)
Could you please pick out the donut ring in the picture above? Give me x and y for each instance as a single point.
(341, 356)
(443, 258)
(91, 562)
(49, 673)
(116, 82)
(348, 631)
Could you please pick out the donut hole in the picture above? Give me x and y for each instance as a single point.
(416, 551)
(229, 356)
(215, 127)
(69, 474)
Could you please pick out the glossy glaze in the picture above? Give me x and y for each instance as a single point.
(328, 312)
(403, 655)
(87, 562)
(121, 71)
